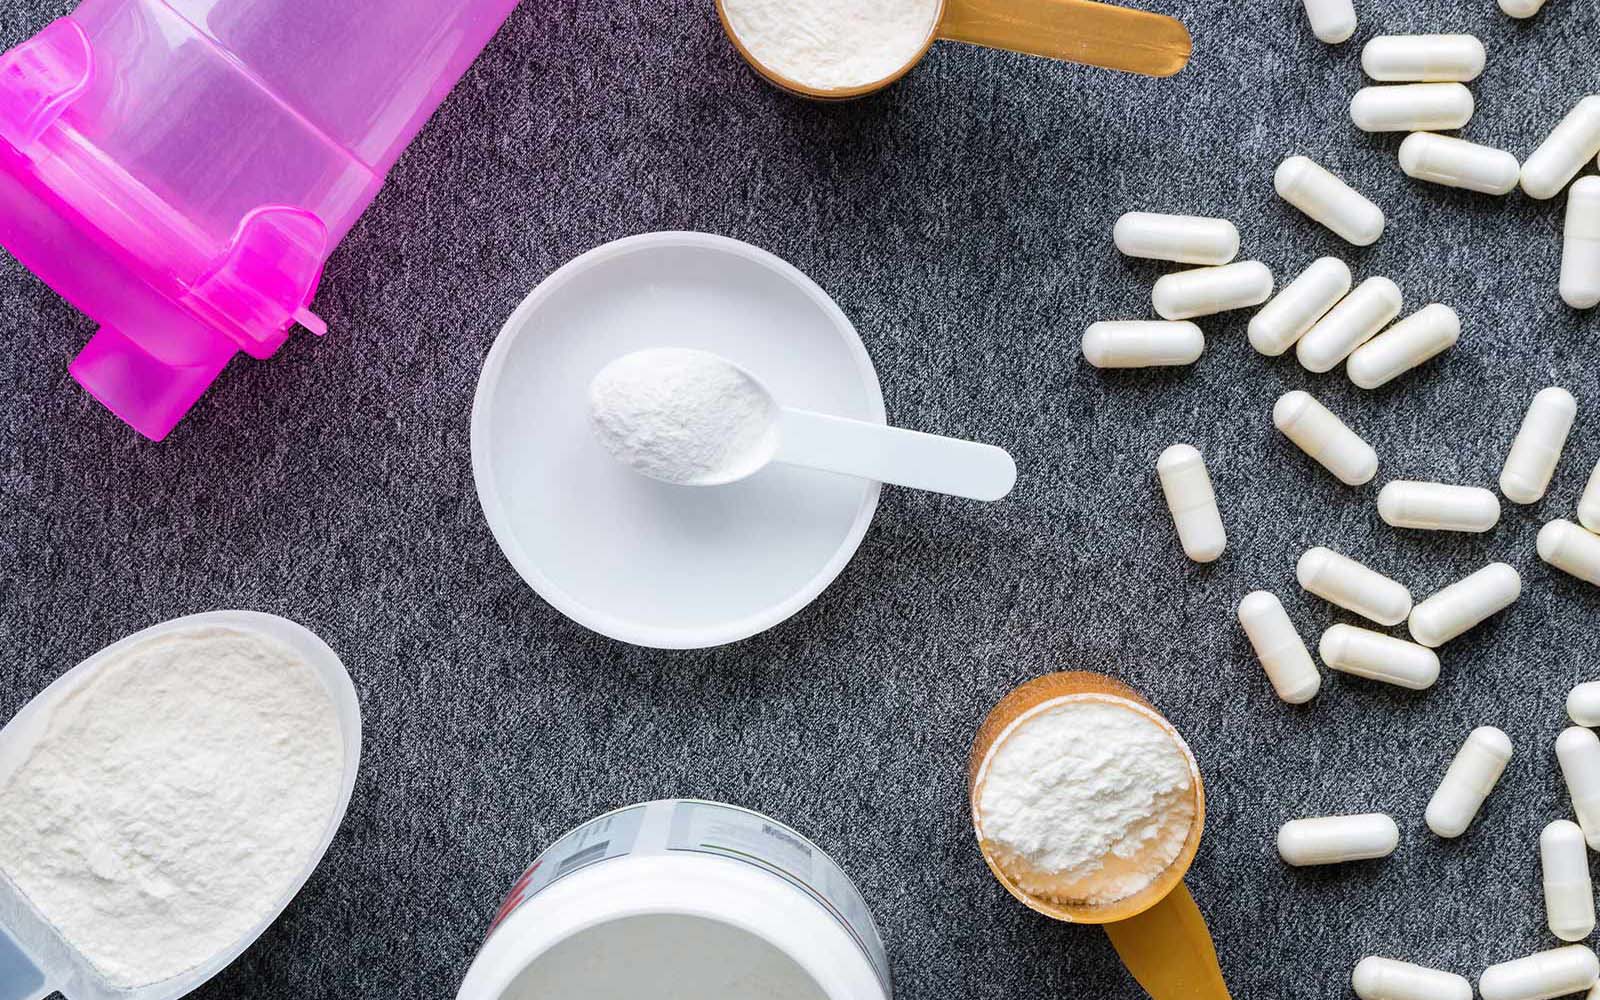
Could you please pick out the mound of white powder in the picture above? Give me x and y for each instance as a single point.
(681, 416)
(174, 797)
(1086, 801)
(832, 44)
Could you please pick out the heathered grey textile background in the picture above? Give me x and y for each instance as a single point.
(962, 220)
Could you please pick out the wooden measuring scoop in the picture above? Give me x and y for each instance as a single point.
(1080, 31)
(1158, 931)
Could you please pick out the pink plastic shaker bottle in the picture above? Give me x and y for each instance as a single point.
(180, 170)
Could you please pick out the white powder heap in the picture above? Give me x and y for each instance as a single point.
(832, 44)
(173, 798)
(682, 416)
(1086, 801)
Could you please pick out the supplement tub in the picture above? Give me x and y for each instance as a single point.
(697, 898)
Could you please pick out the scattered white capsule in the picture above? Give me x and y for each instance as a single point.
(1193, 502)
(1522, 8)
(1278, 646)
(1580, 246)
(1296, 309)
(1208, 290)
(1541, 976)
(1568, 892)
(1571, 549)
(1387, 979)
(1537, 449)
(1566, 151)
(1325, 198)
(1316, 431)
(1184, 239)
(1332, 21)
(1468, 781)
(1142, 344)
(1589, 506)
(1351, 323)
(1420, 337)
(1379, 657)
(1424, 58)
(1578, 751)
(1331, 840)
(1343, 581)
(1465, 604)
(1438, 507)
(1412, 107)
(1583, 704)
(1443, 159)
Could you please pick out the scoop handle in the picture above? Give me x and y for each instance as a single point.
(891, 455)
(20, 979)
(1080, 31)
(1168, 949)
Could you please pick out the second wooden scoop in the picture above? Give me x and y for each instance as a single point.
(1158, 932)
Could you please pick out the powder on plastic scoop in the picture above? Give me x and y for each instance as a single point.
(681, 416)
(832, 44)
(172, 800)
(1086, 801)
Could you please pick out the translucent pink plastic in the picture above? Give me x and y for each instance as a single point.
(180, 170)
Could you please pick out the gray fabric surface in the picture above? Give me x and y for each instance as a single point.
(962, 220)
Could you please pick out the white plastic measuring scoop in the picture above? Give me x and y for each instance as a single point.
(697, 419)
(35, 960)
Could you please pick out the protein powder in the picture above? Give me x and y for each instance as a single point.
(832, 44)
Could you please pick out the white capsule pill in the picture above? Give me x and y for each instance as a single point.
(1351, 323)
(1330, 840)
(1379, 657)
(1566, 151)
(1542, 976)
(1537, 449)
(1425, 58)
(1412, 107)
(1443, 159)
(1387, 979)
(1420, 337)
(1568, 892)
(1278, 646)
(1325, 198)
(1343, 581)
(1522, 8)
(1332, 21)
(1142, 344)
(1316, 431)
(1296, 309)
(1184, 239)
(1208, 290)
(1571, 549)
(1578, 751)
(1465, 604)
(1589, 506)
(1438, 507)
(1470, 778)
(1193, 502)
(1583, 704)
(1580, 246)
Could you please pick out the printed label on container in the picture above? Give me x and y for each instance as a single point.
(708, 828)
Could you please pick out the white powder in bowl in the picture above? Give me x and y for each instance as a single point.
(682, 416)
(1086, 801)
(172, 800)
(832, 44)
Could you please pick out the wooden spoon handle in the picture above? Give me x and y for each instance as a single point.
(1079, 31)
(1169, 951)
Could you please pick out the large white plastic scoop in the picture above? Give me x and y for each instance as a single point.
(697, 419)
(35, 960)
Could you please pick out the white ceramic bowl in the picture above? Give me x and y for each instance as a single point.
(646, 562)
(59, 966)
